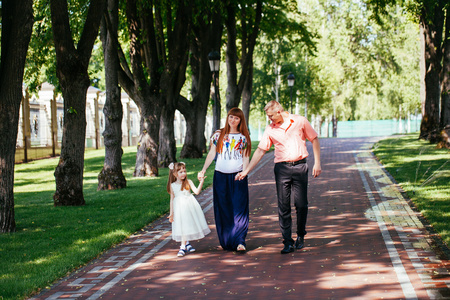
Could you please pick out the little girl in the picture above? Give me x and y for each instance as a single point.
(186, 215)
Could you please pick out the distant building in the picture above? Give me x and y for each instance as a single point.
(38, 112)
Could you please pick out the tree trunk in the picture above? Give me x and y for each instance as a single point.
(16, 25)
(233, 94)
(250, 30)
(217, 106)
(247, 95)
(422, 65)
(195, 142)
(171, 84)
(69, 172)
(433, 38)
(444, 138)
(173, 80)
(147, 149)
(133, 79)
(207, 37)
(155, 80)
(149, 107)
(71, 69)
(111, 177)
(167, 147)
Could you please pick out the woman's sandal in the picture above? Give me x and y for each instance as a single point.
(241, 248)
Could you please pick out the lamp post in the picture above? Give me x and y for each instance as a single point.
(334, 115)
(291, 79)
(214, 64)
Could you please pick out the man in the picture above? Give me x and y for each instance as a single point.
(288, 133)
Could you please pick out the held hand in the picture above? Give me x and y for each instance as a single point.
(201, 175)
(317, 170)
(240, 175)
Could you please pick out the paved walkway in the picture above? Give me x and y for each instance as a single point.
(363, 242)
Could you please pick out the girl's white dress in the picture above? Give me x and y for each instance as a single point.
(189, 222)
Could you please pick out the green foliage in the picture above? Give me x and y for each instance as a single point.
(363, 69)
(41, 61)
(41, 58)
(414, 8)
(71, 110)
(380, 8)
(96, 67)
(283, 44)
(423, 171)
(356, 62)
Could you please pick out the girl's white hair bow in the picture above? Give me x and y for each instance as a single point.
(171, 166)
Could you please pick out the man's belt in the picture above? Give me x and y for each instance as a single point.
(293, 163)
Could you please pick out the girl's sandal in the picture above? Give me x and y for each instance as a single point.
(181, 253)
(189, 248)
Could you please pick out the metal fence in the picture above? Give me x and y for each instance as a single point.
(347, 129)
(372, 127)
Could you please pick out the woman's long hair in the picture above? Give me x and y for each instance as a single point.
(172, 178)
(242, 128)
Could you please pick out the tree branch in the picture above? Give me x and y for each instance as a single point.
(120, 53)
(90, 30)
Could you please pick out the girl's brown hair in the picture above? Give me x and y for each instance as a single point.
(242, 128)
(172, 178)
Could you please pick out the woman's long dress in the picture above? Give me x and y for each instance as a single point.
(231, 199)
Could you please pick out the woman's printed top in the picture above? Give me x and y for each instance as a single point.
(231, 158)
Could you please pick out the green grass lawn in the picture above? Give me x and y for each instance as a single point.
(424, 173)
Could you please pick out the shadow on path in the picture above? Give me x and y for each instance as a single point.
(363, 242)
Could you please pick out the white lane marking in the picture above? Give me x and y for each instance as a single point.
(402, 275)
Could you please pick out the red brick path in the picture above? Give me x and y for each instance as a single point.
(363, 242)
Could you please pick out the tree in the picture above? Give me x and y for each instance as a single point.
(111, 177)
(16, 27)
(430, 15)
(250, 15)
(432, 20)
(172, 83)
(41, 62)
(41, 58)
(243, 30)
(281, 23)
(158, 51)
(362, 69)
(71, 69)
(282, 47)
(206, 35)
(445, 89)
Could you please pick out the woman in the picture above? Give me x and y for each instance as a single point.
(231, 148)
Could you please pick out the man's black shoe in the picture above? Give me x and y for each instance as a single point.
(300, 242)
(287, 249)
